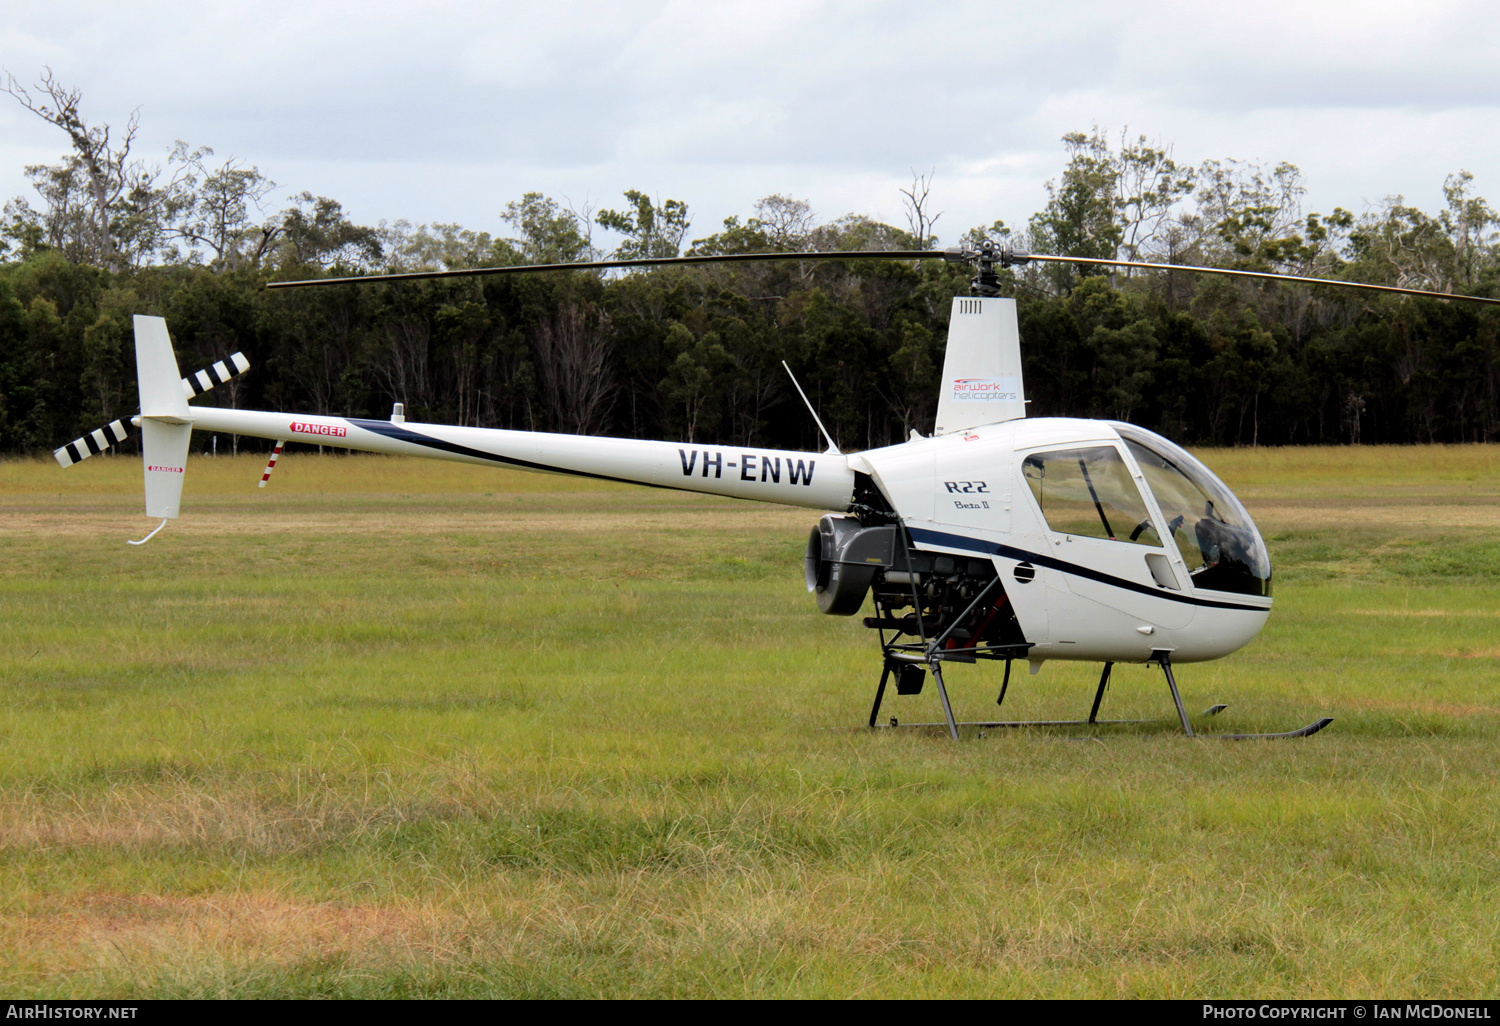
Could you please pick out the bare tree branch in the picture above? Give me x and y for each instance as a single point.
(112, 177)
(917, 215)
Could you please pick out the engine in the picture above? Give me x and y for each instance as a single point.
(848, 559)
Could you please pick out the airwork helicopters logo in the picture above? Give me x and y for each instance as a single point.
(985, 389)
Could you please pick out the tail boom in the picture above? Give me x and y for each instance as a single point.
(818, 481)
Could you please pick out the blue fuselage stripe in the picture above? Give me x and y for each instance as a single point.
(960, 541)
(404, 434)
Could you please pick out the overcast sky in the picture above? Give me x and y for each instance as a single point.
(445, 112)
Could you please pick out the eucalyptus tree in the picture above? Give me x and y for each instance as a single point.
(215, 209)
(100, 199)
(550, 233)
(650, 230)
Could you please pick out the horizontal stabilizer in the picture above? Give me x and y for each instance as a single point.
(196, 384)
(92, 443)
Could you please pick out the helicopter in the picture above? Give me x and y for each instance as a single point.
(1000, 537)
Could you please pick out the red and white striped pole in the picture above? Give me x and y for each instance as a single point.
(275, 453)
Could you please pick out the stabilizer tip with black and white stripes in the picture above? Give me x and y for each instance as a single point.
(92, 443)
(196, 384)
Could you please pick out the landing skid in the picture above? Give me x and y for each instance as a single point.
(1307, 731)
(970, 637)
(1162, 659)
(986, 724)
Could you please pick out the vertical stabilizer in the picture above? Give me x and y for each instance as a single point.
(982, 366)
(164, 450)
(156, 370)
(166, 423)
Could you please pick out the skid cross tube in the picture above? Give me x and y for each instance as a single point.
(1099, 695)
(1164, 660)
(937, 675)
(880, 692)
(934, 653)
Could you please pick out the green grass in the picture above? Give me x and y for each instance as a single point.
(408, 729)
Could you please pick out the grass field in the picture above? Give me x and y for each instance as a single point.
(398, 728)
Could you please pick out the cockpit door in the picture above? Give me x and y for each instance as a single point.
(1210, 533)
(1105, 543)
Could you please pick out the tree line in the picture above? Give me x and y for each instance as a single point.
(695, 353)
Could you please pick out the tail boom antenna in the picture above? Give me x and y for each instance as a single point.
(833, 447)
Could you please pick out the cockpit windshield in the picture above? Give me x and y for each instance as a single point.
(1218, 540)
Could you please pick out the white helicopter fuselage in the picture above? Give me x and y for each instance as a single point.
(1072, 515)
(965, 494)
(1077, 596)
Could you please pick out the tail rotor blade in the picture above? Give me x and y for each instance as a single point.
(92, 443)
(116, 431)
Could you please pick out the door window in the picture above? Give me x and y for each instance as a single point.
(1089, 492)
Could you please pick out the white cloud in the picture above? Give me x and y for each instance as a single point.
(448, 111)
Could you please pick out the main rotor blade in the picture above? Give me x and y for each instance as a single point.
(1098, 261)
(1003, 258)
(600, 265)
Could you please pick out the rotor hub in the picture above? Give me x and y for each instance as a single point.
(983, 259)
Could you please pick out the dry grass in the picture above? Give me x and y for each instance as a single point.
(300, 472)
(489, 522)
(394, 729)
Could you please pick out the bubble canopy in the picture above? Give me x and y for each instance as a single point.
(1211, 528)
